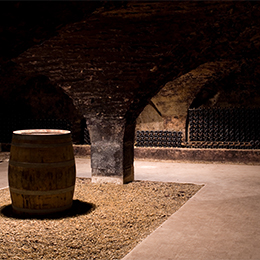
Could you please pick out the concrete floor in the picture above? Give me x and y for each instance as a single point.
(3, 174)
(220, 222)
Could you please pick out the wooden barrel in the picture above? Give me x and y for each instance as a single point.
(41, 171)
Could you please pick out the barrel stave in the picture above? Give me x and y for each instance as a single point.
(41, 171)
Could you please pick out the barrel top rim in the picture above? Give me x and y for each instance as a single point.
(41, 132)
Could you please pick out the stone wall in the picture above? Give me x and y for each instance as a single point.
(215, 84)
(24, 97)
(112, 61)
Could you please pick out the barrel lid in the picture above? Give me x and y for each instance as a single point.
(41, 132)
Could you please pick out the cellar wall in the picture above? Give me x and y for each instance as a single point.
(102, 64)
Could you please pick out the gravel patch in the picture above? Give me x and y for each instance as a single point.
(106, 221)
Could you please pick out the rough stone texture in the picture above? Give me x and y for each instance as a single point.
(106, 221)
(35, 97)
(219, 84)
(82, 150)
(112, 152)
(203, 155)
(187, 154)
(110, 68)
(177, 96)
(150, 119)
(112, 62)
(238, 89)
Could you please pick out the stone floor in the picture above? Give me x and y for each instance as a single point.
(220, 222)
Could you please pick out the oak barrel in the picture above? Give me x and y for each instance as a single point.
(41, 171)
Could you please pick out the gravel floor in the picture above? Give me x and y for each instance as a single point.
(105, 222)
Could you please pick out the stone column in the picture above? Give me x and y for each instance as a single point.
(112, 150)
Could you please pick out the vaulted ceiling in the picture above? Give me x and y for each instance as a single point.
(111, 58)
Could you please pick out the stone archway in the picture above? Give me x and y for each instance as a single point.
(175, 98)
(113, 62)
(29, 100)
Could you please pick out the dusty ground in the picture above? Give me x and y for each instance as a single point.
(105, 222)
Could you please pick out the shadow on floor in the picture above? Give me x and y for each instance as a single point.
(78, 208)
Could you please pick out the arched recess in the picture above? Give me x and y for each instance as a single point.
(36, 98)
(108, 78)
(239, 88)
(112, 140)
(168, 109)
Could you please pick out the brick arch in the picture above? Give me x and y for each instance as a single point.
(177, 96)
(113, 62)
(34, 101)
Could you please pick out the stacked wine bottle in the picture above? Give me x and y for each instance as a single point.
(231, 128)
(159, 139)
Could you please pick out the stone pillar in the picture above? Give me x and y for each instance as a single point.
(128, 152)
(112, 150)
